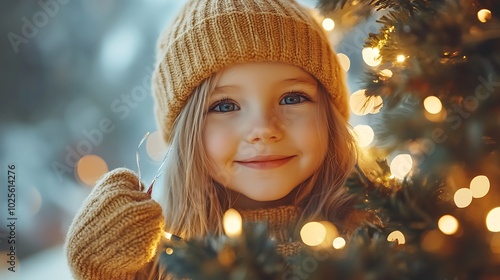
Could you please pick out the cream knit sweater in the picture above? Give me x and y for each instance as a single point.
(117, 230)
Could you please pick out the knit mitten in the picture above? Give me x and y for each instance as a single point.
(116, 231)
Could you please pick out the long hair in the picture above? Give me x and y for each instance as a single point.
(193, 203)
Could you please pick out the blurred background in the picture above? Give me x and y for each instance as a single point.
(76, 102)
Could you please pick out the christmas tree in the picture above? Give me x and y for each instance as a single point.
(434, 85)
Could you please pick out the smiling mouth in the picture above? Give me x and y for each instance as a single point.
(265, 162)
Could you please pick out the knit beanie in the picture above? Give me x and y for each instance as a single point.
(209, 35)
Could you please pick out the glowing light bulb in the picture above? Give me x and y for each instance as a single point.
(400, 58)
(396, 236)
(433, 105)
(344, 61)
(169, 251)
(364, 135)
(339, 243)
(493, 220)
(463, 197)
(90, 168)
(401, 165)
(313, 233)
(479, 186)
(484, 15)
(448, 224)
(232, 223)
(371, 56)
(328, 24)
(386, 73)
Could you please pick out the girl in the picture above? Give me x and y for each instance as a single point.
(252, 101)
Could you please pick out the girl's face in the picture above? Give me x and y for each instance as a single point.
(265, 129)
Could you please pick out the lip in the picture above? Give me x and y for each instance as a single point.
(265, 162)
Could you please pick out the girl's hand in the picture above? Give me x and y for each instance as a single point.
(116, 231)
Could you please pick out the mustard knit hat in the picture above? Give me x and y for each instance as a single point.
(209, 35)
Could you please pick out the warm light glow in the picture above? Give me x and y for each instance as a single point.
(328, 24)
(463, 197)
(371, 56)
(169, 251)
(433, 105)
(313, 233)
(479, 186)
(362, 104)
(400, 58)
(167, 235)
(232, 223)
(493, 220)
(344, 61)
(364, 135)
(339, 243)
(90, 168)
(386, 73)
(155, 146)
(433, 241)
(484, 15)
(396, 236)
(401, 165)
(448, 224)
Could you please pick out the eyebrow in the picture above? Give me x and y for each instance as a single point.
(304, 81)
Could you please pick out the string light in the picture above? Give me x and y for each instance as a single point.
(463, 197)
(401, 165)
(433, 105)
(313, 233)
(400, 58)
(386, 73)
(232, 223)
(371, 56)
(493, 220)
(448, 224)
(364, 135)
(339, 243)
(479, 186)
(344, 61)
(328, 24)
(396, 236)
(90, 168)
(484, 15)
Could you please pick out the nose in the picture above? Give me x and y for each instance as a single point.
(265, 127)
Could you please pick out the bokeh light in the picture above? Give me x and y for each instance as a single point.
(90, 168)
(156, 146)
(463, 197)
(448, 224)
(328, 24)
(386, 73)
(401, 165)
(396, 236)
(364, 135)
(479, 186)
(313, 233)
(433, 105)
(344, 61)
(484, 15)
(400, 58)
(371, 56)
(339, 243)
(232, 223)
(495, 243)
(362, 105)
(493, 220)
(433, 241)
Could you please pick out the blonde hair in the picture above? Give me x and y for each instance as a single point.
(193, 203)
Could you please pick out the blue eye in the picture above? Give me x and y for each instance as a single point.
(223, 106)
(294, 98)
